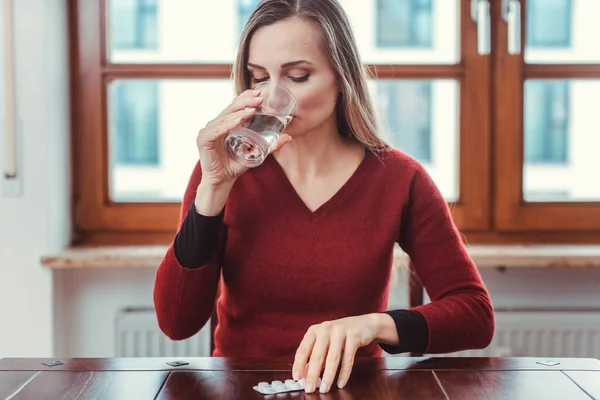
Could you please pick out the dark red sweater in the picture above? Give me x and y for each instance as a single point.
(285, 268)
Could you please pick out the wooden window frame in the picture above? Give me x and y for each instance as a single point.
(489, 208)
(577, 221)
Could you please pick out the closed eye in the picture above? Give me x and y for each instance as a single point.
(297, 79)
(303, 78)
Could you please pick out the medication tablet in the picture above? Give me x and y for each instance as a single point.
(274, 387)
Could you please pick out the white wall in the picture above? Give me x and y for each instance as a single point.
(36, 222)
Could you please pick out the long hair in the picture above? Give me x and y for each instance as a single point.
(355, 112)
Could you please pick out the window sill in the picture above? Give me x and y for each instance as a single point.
(485, 256)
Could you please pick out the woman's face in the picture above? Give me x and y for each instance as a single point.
(289, 52)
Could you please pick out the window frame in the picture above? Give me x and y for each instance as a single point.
(99, 220)
(567, 222)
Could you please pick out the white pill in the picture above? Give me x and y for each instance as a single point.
(263, 384)
(295, 386)
(276, 383)
(289, 381)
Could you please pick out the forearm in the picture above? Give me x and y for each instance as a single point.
(210, 200)
(184, 298)
(196, 243)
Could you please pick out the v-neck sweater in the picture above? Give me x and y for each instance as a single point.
(281, 267)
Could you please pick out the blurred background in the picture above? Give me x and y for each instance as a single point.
(102, 101)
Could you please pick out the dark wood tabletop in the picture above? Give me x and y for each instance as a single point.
(233, 378)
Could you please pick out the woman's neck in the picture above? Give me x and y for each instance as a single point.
(314, 154)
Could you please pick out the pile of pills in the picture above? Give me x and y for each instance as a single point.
(275, 387)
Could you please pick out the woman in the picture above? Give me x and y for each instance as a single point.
(304, 243)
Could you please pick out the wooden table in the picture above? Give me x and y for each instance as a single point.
(233, 378)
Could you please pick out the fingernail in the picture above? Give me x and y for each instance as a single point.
(341, 384)
(259, 98)
(256, 92)
(249, 109)
(296, 375)
(323, 387)
(237, 120)
(309, 388)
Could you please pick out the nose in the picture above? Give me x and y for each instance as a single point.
(278, 99)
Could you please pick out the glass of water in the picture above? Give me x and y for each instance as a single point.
(249, 144)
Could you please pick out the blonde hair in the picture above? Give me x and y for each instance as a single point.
(355, 112)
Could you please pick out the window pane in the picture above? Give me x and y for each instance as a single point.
(406, 31)
(192, 31)
(134, 24)
(404, 23)
(562, 31)
(420, 118)
(245, 8)
(152, 133)
(561, 140)
(135, 122)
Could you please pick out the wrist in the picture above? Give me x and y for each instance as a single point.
(210, 199)
(385, 328)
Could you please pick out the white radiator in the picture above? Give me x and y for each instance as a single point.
(543, 334)
(137, 335)
(518, 334)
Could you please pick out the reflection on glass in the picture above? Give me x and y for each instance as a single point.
(245, 8)
(152, 134)
(549, 23)
(561, 140)
(546, 121)
(562, 31)
(404, 23)
(420, 118)
(386, 31)
(406, 31)
(134, 110)
(134, 24)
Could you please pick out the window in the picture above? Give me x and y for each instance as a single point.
(245, 8)
(404, 23)
(510, 140)
(546, 121)
(407, 116)
(134, 24)
(134, 122)
(549, 23)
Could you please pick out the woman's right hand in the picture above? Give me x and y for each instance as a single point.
(217, 168)
(219, 172)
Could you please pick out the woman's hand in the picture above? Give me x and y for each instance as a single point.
(217, 168)
(331, 342)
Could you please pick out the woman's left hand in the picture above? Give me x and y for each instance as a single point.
(333, 341)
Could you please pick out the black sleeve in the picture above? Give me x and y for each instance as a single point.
(413, 332)
(196, 242)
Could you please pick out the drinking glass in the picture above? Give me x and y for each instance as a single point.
(249, 144)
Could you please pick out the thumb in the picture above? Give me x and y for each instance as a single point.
(282, 141)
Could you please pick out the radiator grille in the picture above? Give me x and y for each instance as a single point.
(543, 334)
(137, 335)
(518, 334)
